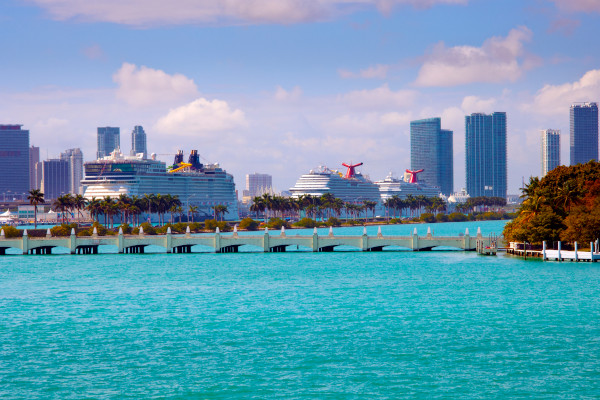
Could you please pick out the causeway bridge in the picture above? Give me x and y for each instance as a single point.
(230, 243)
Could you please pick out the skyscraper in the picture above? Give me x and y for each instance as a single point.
(486, 154)
(584, 132)
(257, 184)
(14, 161)
(75, 159)
(109, 139)
(550, 150)
(55, 178)
(138, 141)
(431, 149)
(34, 158)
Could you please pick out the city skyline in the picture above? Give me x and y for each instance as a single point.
(285, 90)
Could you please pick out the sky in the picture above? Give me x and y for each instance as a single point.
(284, 86)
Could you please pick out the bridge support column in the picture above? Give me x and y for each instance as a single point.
(315, 241)
(217, 241)
(169, 241)
(466, 241)
(365, 241)
(73, 241)
(414, 241)
(120, 241)
(266, 245)
(25, 242)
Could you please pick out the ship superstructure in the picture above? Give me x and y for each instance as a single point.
(410, 186)
(203, 186)
(351, 187)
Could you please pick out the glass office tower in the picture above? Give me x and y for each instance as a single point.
(550, 150)
(109, 139)
(55, 178)
(14, 162)
(584, 132)
(486, 154)
(431, 149)
(138, 141)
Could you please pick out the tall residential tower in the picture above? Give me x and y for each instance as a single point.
(109, 139)
(14, 162)
(550, 150)
(75, 159)
(138, 141)
(584, 132)
(431, 150)
(486, 154)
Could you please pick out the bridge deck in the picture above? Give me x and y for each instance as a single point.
(231, 242)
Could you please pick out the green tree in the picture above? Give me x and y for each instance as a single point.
(35, 197)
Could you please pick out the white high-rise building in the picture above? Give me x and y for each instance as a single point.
(550, 150)
(258, 184)
(138, 141)
(75, 159)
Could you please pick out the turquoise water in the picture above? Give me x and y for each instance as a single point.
(344, 325)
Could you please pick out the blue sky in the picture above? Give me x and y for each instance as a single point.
(284, 86)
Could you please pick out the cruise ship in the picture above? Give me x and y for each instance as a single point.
(204, 186)
(351, 187)
(391, 186)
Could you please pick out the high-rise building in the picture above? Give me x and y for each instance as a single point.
(550, 150)
(584, 132)
(34, 158)
(257, 184)
(138, 141)
(109, 139)
(75, 159)
(55, 178)
(431, 149)
(14, 162)
(486, 154)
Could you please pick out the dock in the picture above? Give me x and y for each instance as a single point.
(230, 243)
(575, 255)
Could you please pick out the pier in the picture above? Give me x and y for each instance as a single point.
(576, 255)
(230, 243)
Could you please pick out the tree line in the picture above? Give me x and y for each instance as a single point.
(129, 209)
(327, 206)
(564, 205)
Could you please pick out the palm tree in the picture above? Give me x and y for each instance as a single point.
(94, 207)
(35, 197)
(369, 205)
(192, 210)
(62, 205)
(259, 205)
(220, 210)
(79, 202)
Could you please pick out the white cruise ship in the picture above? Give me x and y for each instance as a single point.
(204, 186)
(391, 186)
(352, 187)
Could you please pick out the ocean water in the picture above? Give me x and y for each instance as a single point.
(342, 325)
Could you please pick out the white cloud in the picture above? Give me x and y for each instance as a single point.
(160, 12)
(378, 71)
(381, 98)
(497, 60)
(145, 86)
(474, 104)
(556, 99)
(283, 95)
(200, 117)
(579, 5)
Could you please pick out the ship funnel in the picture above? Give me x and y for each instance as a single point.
(178, 157)
(195, 160)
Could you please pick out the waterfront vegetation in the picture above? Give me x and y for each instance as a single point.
(276, 212)
(328, 206)
(564, 205)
